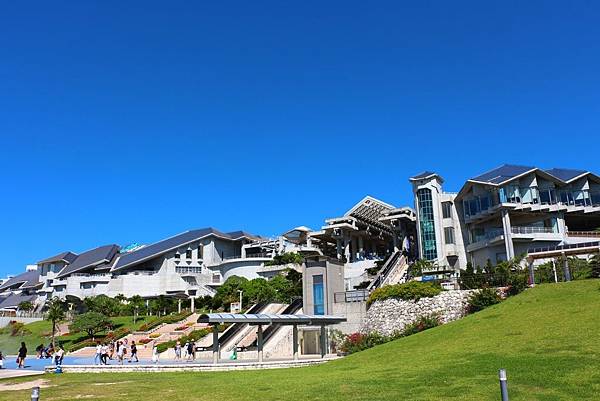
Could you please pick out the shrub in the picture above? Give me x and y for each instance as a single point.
(518, 283)
(194, 335)
(423, 323)
(18, 329)
(145, 341)
(168, 319)
(155, 335)
(482, 299)
(413, 290)
(286, 258)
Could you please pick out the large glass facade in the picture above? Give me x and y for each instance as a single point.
(318, 298)
(427, 224)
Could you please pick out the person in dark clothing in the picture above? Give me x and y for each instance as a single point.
(133, 352)
(21, 356)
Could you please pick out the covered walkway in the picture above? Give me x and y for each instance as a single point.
(260, 320)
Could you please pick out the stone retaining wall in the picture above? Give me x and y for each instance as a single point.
(392, 315)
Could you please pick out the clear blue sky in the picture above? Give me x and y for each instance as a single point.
(130, 122)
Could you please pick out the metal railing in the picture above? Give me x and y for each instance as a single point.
(182, 269)
(248, 256)
(595, 234)
(532, 230)
(564, 247)
(351, 296)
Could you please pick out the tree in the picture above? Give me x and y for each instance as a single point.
(90, 323)
(26, 306)
(103, 304)
(55, 314)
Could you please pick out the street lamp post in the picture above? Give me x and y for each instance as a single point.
(241, 292)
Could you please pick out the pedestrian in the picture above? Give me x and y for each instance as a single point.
(133, 352)
(189, 350)
(111, 350)
(104, 354)
(193, 350)
(155, 353)
(39, 351)
(185, 350)
(178, 350)
(21, 356)
(120, 352)
(1, 360)
(98, 356)
(59, 355)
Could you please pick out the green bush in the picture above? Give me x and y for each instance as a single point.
(168, 319)
(286, 258)
(356, 342)
(194, 335)
(517, 283)
(423, 323)
(482, 299)
(413, 290)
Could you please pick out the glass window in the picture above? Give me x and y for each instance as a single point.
(319, 305)
(200, 251)
(449, 235)
(188, 254)
(427, 224)
(447, 209)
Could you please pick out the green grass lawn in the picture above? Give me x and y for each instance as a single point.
(548, 339)
(9, 345)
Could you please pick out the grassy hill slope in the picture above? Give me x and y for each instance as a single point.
(548, 339)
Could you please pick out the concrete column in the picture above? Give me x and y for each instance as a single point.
(215, 344)
(259, 343)
(354, 249)
(562, 228)
(346, 247)
(508, 243)
(295, 341)
(566, 269)
(361, 246)
(531, 272)
(323, 341)
(243, 253)
(339, 249)
(179, 306)
(192, 306)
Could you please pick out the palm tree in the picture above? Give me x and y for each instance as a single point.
(55, 314)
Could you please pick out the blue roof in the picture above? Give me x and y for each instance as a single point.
(169, 244)
(502, 174)
(13, 300)
(565, 174)
(27, 279)
(91, 258)
(422, 175)
(67, 257)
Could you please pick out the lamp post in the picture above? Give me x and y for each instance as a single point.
(241, 292)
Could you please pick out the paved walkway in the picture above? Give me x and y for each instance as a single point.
(223, 365)
(12, 373)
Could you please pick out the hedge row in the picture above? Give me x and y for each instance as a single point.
(413, 290)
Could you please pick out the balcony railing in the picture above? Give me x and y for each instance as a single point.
(351, 296)
(195, 270)
(593, 234)
(248, 256)
(532, 230)
(488, 235)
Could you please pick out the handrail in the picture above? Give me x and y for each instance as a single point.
(564, 247)
(384, 271)
(583, 233)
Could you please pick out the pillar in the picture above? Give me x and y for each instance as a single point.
(566, 270)
(508, 243)
(323, 340)
(295, 341)
(396, 248)
(531, 272)
(192, 306)
(354, 249)
(346, 247)
(339, 248)
(179, 306)
(361, 246)
(215, 343)
(259, 343)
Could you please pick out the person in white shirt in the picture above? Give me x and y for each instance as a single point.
(98, 356)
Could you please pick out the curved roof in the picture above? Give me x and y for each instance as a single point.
(13, 300)
(67, 257)
(93, 257)
(169, 244)
(27, 279)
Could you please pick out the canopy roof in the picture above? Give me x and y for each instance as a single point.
(261, 318)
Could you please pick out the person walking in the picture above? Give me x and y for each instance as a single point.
(189, 350)
(120, 352)
(178, 350)
(155, 353)
(98, 356)
(104, 354)
(21, 356)
(193, 350)
(133, 352)
(1, 360)
(185, 350)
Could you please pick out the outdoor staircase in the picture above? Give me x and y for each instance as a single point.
(393, 271)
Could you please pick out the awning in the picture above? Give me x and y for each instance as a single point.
(262, 318)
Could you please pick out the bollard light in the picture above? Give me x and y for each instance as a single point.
(503, 384)
(35, 394)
